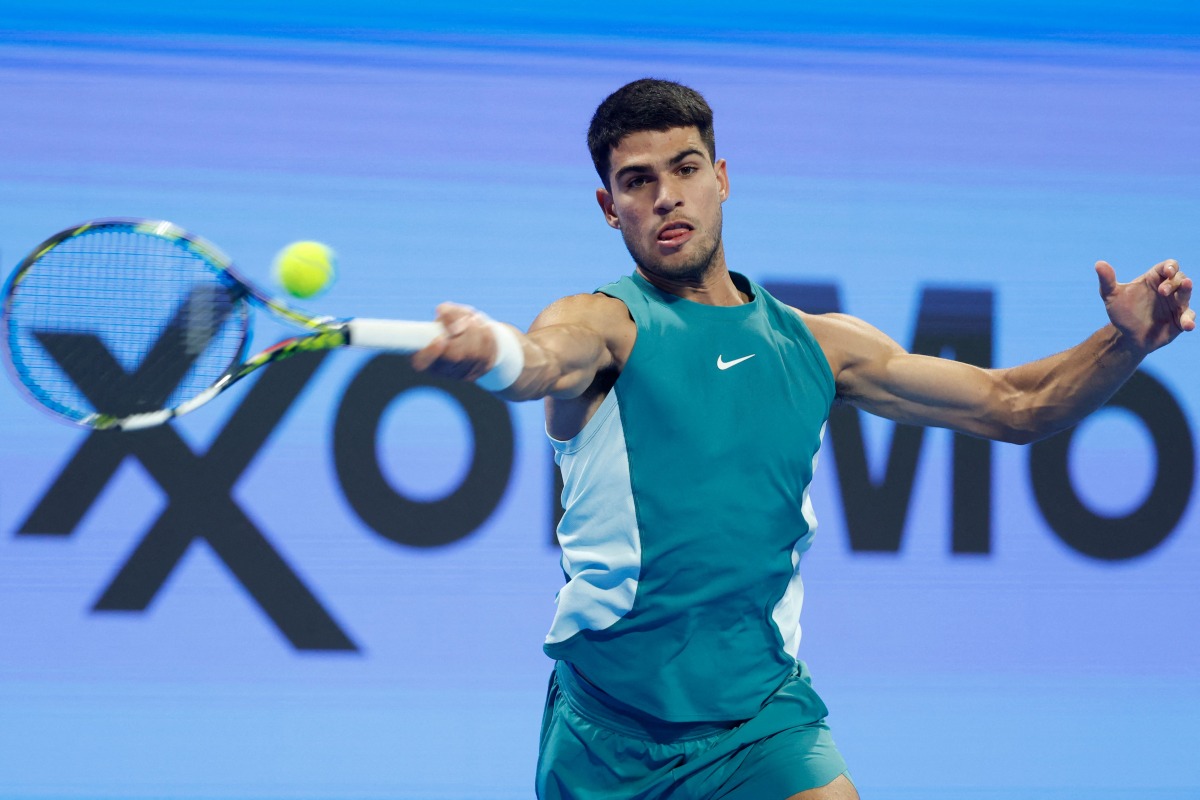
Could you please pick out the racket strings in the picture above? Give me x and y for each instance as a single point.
(120, 321)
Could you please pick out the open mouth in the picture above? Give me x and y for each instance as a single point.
(675, 233)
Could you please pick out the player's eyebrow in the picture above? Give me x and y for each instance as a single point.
(682, 155)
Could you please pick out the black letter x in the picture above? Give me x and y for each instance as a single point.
(198, 487)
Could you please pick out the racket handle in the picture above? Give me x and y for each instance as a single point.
(390, 334)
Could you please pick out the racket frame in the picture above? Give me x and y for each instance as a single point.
(323, 333)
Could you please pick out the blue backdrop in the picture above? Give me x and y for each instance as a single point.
(324, 606)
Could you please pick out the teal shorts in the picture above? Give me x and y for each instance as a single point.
(590, 750)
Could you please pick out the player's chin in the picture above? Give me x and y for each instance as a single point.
(681, 263)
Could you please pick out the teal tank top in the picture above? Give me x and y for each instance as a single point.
(686, 508)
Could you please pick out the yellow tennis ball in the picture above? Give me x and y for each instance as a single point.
(305, 269)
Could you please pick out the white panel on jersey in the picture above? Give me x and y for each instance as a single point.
(599, 535)
(786, 613)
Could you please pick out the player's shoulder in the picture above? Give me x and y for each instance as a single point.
(846, 339)
(594, 310)
(833, 324)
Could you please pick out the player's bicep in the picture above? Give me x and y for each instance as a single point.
(924, 390)
(874, 373)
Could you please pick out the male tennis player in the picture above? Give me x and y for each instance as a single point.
(686, 407)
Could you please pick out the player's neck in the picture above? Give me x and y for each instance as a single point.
(714, 287)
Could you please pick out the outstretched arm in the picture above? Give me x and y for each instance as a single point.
(1019, 404)
(570, 342)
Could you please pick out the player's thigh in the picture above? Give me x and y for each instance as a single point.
(840, 788)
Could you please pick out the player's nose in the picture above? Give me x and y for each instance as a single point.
(669, 196)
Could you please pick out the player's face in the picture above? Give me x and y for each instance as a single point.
(666, 200)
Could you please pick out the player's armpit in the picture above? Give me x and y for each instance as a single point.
(572, 341)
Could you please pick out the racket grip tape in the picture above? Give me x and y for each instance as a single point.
(409, 337)
(391, 334)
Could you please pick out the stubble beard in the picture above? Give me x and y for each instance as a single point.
(693, 270)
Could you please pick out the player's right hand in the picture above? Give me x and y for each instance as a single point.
(465, 351)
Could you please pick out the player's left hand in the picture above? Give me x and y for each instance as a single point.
(1152, 309)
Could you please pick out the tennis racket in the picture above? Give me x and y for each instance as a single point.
(129, 323)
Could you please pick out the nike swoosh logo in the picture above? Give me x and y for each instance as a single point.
(723, 364)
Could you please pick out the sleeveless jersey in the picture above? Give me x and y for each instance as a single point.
(686, 508)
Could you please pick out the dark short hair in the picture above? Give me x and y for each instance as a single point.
(647, 104)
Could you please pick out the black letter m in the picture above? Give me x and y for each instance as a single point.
(956, 323)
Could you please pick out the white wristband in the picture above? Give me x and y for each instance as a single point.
(510, 359)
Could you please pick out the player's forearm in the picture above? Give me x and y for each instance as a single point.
(1054, 393)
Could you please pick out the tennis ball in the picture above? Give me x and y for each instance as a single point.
(305, 269)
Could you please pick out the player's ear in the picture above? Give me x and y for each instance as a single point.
(722, 178)
(605, 199)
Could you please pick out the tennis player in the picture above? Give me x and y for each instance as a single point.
(686, 407)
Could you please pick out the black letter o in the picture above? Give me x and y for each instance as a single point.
(1144, 528)
(377, 503)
